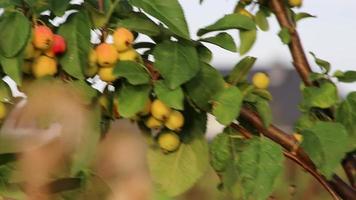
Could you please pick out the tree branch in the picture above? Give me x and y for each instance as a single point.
(294, 158)
(295, 46)
(336, 185)
(302, 66)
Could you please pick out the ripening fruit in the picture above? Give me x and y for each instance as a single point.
(31, 52)
(49, 53)
(159, 110)
(123, 39)
(168, 141)
(92, 58)
(59, 45)
(128, 55)
(175, 121)
(42, 37)
(106, 54)
(107, 74)
(298, 137)
(3, 111)
(260, 80)
(44, 66)
(295, 3)
(153, 123)
(244, 12)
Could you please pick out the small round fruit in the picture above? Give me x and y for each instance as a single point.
(175, 121)
(153, 123)
(107, 74)
(295, 3)
(128, 55)
(50, 53)
(106, 55)
(260, 80)
(123, 39)
(3, 111)
(92, 58)
(42, 37)
(31, 52)
(159, 110)
(44, 66)
(168, 141)
(59, 45)
(298, 137)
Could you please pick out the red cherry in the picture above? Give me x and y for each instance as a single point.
(59, 44)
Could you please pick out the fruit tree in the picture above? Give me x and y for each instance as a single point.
(167, 86)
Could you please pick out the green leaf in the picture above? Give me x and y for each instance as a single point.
(58, 7)
(346, 114)
(83, 158)
(231, 21)
(12, 67)
(223, 40)
(241, 69)
(261, 20)
(284, 35)
(346, 77)
(176, 62)
(135, 73)
(76, 32)
(204, 53)
(172, 98)
(5, 92)
(258, 166)
(169, 12)
(132, 99)
(15, 32)
(324, 96)
(227, 104)
(323, 64)
(264, 110)
(326, 143)
(302, 15)
(176, 172)
(247, 40)
(141, 24)
(204, 86)
(220, 152)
